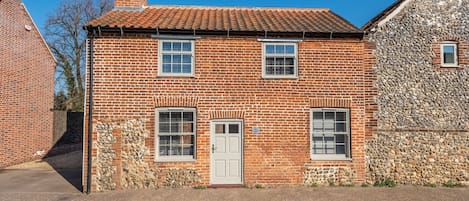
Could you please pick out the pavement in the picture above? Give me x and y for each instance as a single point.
(59, 179)
(58, 174)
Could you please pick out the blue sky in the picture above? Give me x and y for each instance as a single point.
(358, 12)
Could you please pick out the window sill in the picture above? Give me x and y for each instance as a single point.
(174, 160)
(279, 78)
(329, 158)
(450, 66)
(174, 76)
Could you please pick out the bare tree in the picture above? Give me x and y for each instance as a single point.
(67, 40)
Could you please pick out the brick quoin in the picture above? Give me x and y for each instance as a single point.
(228, 83)
(26, 87)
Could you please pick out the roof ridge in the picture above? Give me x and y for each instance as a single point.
(237, 8)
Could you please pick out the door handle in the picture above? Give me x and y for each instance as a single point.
(213, 148)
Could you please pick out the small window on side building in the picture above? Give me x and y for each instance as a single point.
(449, 55)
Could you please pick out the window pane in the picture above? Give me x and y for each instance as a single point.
(164, 150)
(164, 140)
(187, 59)
(187, 46)
(279, 61)
(164, 127)
(186, 68)
(279, 49)
(449, 54)
(188, 139)
(340, 149)
(269, 61)
(164, 117)
(176, 68)
(278, 70)
(290, 70)
(289, 61)
(188, 150)
(340, 127)
(176, 116)
(175, 140)
(188, 127)
(290, 49)
(329, 121)
(177, 46)
(175, 128)
(269, 70)
(233, 128)
(188, 116)
(448, 49)
(176, 150)
(166, 58)
(166, 46)
(270, 49)
(340, 138)
(166, 68)
(318, 116)
(219, 128)
(177, 59)
(340, 116)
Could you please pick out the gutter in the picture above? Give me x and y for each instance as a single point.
(229, 33)
(90, 116)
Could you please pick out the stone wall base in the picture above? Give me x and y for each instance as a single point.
(418, 157)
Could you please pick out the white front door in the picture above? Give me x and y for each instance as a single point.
(226, 148)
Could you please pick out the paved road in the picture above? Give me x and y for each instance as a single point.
(407, 193)
(57, 179)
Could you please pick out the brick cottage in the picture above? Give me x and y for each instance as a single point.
(223, 96)
(26, 87)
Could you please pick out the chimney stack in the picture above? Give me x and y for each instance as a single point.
(130, 3)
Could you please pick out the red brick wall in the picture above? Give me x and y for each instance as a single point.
(228, 83)
(26, 87)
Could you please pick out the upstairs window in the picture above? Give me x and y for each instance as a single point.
(280, 60)
(449, 55)
(176, 58)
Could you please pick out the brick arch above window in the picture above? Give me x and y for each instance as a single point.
(226, 114)
(175, 101)
(330, 102)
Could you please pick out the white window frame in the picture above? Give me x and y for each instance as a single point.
(442, 52)
(265, 55)
(348, 147)
(160, 58)
(182, 158)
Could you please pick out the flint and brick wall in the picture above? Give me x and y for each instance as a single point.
(26, 88)
(227, 84)
(423, 129)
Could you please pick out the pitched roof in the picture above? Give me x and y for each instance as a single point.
(382, 15)
(193, 18)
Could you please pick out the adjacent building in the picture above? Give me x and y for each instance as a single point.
(423, 93)
(26, 87)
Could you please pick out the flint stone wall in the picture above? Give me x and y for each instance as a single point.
(123, 160)
(423, 113)
(328, 176)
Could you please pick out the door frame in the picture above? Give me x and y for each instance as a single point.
(212, 133)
